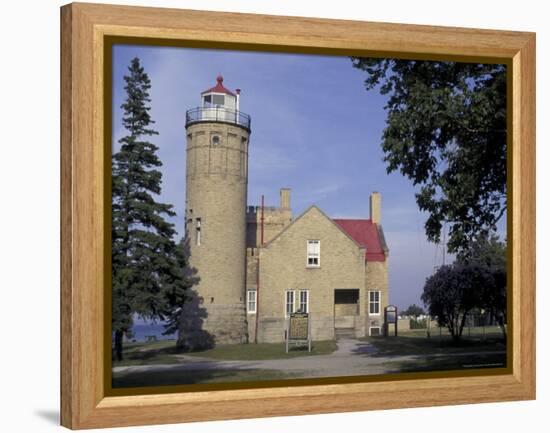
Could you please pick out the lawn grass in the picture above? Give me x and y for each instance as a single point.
(189, 377)
(158, 352)
(415, 342)
(479, 348)
(477, 331)
(166, 352)
(262, 351)
(447, 362)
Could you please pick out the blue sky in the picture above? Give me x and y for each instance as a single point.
(315, 129)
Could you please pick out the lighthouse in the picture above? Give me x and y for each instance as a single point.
(218, 136)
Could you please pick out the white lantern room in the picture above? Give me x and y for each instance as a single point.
(219, 104)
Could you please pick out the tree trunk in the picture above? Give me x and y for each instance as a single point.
(502, 327)
(462, 324)
(118, 344)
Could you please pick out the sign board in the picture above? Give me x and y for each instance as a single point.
(390, 319)
(298, 330)
(391, 316)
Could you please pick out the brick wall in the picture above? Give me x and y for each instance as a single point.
(283, 267)
(216, 193)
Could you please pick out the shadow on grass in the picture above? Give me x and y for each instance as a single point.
(162, 352)
(190, 377)
(450, 362)
(264, 351)
(414, 345)
(437, 353)
(166, 352)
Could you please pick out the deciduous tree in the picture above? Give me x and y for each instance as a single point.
(453, 291)
(414, 311)
(446, 132)
(490, 252)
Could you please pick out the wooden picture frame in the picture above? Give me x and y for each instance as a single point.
(84, 29)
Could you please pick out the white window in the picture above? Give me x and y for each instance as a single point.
(304, 301)
(213, 100)
(198, 232)
(251, 301)
(218, 99)
(295, 303)
(313, 253)
(374, 330)
(289, 302)
(374, 303)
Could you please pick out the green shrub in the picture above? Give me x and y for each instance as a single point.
(418, 323)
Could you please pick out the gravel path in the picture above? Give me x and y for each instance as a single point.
(352, 358)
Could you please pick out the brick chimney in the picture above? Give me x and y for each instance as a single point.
(285, 198)
(375, 201)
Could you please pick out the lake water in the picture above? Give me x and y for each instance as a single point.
(143, 330)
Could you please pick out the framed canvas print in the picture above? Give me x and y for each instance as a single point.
(308, 215)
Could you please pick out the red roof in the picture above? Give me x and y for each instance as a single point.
(219, 87)
(365, 233)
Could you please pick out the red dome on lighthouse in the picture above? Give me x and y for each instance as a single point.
(219, 87)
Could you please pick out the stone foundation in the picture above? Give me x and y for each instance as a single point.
(227, 323)
(203, 328)
(272, 330)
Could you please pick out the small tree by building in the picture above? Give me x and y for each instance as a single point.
(414, 311)
(453, 291)
(490, 252)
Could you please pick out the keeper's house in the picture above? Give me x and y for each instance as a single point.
(334, 269)
(258, 264)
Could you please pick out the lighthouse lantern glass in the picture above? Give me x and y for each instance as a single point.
(219, 101)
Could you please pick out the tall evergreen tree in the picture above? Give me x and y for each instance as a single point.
(145, 261)
(177, 283)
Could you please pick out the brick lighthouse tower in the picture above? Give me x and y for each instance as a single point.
(215, 218)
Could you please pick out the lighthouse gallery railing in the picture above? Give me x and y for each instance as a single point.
(217, 114)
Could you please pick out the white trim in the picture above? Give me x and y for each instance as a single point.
(379, 302)
(248, 301)
(296, 301)
(293, 302)
(212, 94)
(306, 291)
(198, 234)
(315, 255)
